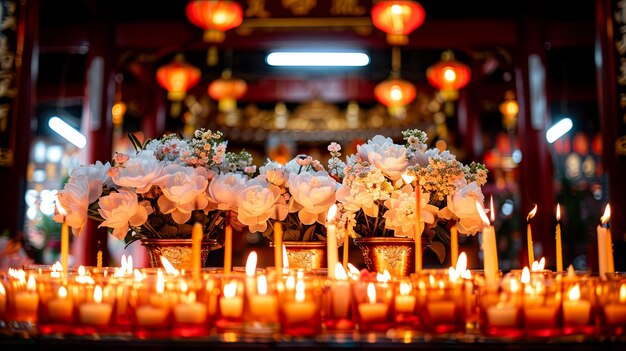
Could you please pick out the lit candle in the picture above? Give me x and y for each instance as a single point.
(559, 245)
(3, 300)
(331, 240)
(96, 312)
(454, 244)
(231, 305)
(299, 310)
(189, 311)
(65, 240)
(338, 290)
(490, 254)
(603, 249)
(405, 302)
(575, 310)
(529, 236)
(417, 236)
(27, 302)
(196, 257)
(502, 315)
(615, 313)
(61, 307)
(263, 306)
(154, 313)
(228, 247)
(278, 246)
(250, 271)
(372, 310)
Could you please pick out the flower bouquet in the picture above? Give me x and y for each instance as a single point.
(380, 203)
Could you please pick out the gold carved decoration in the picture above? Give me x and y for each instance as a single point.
(6, 157)
(256, 8)
(346, 7)
(299, 7)
(620, 146)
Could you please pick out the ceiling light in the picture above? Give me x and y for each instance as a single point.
(558, 130)
(68, 132)
(317, 59)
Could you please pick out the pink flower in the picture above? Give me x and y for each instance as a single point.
(222, 191)
(334, 147)
(140, 172)
(312, 195)
(120, 158)
(120, 210)
(256, 205)
(183, 191)
(303, 160)
(383, 154)
(462, 206)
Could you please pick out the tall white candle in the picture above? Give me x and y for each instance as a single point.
(331, 241)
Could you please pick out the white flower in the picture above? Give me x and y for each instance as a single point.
(139, 172)
(400, 216)
(363, 188)
(384, 155)
(75, 202)
(97, 176)
(222, 191)
(312, 194)
(274, 173)
(183, 191)
(462, 206)
(255, 205)
(121, 209)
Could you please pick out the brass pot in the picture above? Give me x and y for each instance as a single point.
(177, 251)
(396, 255)
(307, 255)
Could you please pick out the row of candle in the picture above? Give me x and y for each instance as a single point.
(154, 303)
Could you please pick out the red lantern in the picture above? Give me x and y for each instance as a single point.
(227, 90)
(178, 77)
(395, 93)
(448, 75)
(215, 17)
(397, 19)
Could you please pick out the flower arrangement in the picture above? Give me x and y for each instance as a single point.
(161, 190)
(378, 202)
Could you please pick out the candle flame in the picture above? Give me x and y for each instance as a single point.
(32, 284)
(492, 213)
(97, 294)
(183, 286)
(514, 285)
(532, 213)
(138, 276)
(558, 212)
(467, 274)
(452, 274)
(300, 291)
(384, 277)
(574, 293)
(461, 263)
(332, 211)
(405, 288)
(57, 267)
(123, 262)
(62, 292)
(570, 272)
(481, 213)
(285, 259)
(251, 264)
(81, 271)
(160, 283)
(408, 179)
(525, 276)
(230, 289)
(261, 285)
(371, 293)
(354, 272)
(129, 264)
(3, 292)
(340, 273)
(538, 266)
(607, 214)
(290, 283)
(622, 293)
(169, 268)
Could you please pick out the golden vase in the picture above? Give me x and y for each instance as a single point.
(307, 255)
(396, 255)
(177, 251)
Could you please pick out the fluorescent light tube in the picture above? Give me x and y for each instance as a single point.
(317, 59)
(67, 132)
(558, 130)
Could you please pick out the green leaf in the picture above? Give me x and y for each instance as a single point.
(291, 235)
(439, 249)
(136, 143)
(308, 234)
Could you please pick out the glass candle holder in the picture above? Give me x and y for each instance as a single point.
(57, 307)
(500, 308)
(212, 291)
(338, 305)
(151, 300)
(230, 304)
(405, 305)
(442, 302)
(3, 299)
(611, 306)
(261, 315)
(190, 313)
(373, 305)
(541, 306)
(300, 306)
(95, 304)
(577, 310)
(23, 300)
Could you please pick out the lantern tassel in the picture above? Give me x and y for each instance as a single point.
(212, 56)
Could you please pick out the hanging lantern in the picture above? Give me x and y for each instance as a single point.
(509, 109)
(177, 77)
(448, 75)
(397, 19)
(395, 93)
(227, 90)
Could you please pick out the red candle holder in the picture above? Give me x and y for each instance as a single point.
(338, 305)
(300, 305)
(22, 300)
(442, 302)
(230, 304)
(611, 306)
(373, 305)
(58, 311)
(95, 306)
(151, 300)
(541, 305)
(578, 312)
(405, 305)
(501, 308)
(261, 308)
(190, 314)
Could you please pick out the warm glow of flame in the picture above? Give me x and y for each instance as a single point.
(525, 276)
(452, 274)
(607, 214)
(290, 283)
(481, 213)
(622, 293)
(405, 288)
(354, 272)
(332, 211)
(261, 285)
(251, 264)
(129, 264)
(285, 259)
(123, 262)
(340, 273)
(449, 74)
(467, 274)
(570, 272)
(230, 290)
(542, 263)
(408, 179)
(461, 263)
(183, 286)
(62, 292)
(384, 277)
(558, 212)
(371, 293)
(300, 291)
(574, 293)
(492, 213)
(169, 268)
(532, 213)
(138, 276)
(32, 284)
(2, 290)
(160, 283)
(97, 294)
(81, 271)
(395, 93)
(514, 285)
(57, 267)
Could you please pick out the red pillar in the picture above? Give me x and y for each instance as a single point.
(536, 176)
(17, 102)
(97, 125)
(612, 124)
